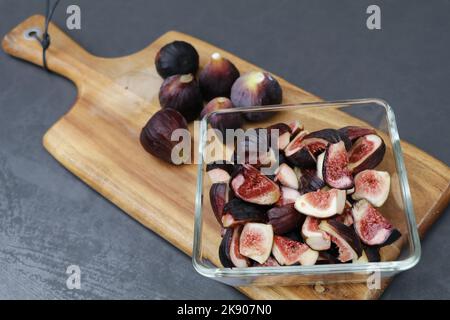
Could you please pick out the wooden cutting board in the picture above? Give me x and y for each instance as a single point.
(98, 141)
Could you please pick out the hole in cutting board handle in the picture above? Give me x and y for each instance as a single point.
(31, 34)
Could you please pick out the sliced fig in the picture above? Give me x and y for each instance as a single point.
(329, 135)
(346, 216)
(350, 191)
(224, 249)
(219, 171)
(298, 153)
(218, 196)
(284, 219)
(229, 254)
(286, 176)
(309, 181)
(366, 153)
(326, 257)
(319, 169)
(373, 186)
(296, 126)
(270, 262)
(354, 132)
(335, 167)
(256, 241)
(237, 212)
(344, 237)
(238, 260)
(314, 237)
(288, 196)
(370, 225)
(321, 204)
(289, 252)
(251, 186)
(283, 133)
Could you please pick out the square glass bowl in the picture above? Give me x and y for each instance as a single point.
(399, 256)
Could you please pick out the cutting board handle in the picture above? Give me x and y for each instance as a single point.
(64, 56)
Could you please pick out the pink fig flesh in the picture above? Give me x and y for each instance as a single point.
(256, 241)
(289, 252)
(314, 237)
(335, 167)
(366, 153)
(373, 186)
(321, 204)
(251, 186)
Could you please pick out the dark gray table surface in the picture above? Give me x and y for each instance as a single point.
(49, 219)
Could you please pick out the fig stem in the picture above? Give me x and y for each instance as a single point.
(216, 56)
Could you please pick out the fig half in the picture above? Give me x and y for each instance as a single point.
(321, 204)
(327, 135)
(335, 170)
(314, 237)
(217, 77)
(237, 212)
(256, 88)
(299, 154)
(252, 186)
(345, 238)
(373, 186)
(256, 241)
(354, 132)
(229, 254)
(371, 226)
(285, 175)
(288, 252)
(284, 219)
(366, 153)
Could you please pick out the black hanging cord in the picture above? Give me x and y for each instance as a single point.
(45, 40)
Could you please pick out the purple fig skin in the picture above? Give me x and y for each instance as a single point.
(355, 132)
(224, 249)
(256, 89)
(330, 135)
(283, 131)
(156, 135)
(284, 219)
(218, 195)
(222, 122)
(217, 77)
(242, 212)
(178, 57)
(348, 234)
(371, 161)
(309, 181)
(182, 93)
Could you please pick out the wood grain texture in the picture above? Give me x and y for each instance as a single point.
(98, 141)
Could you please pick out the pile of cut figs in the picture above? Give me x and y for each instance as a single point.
(321, 205)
